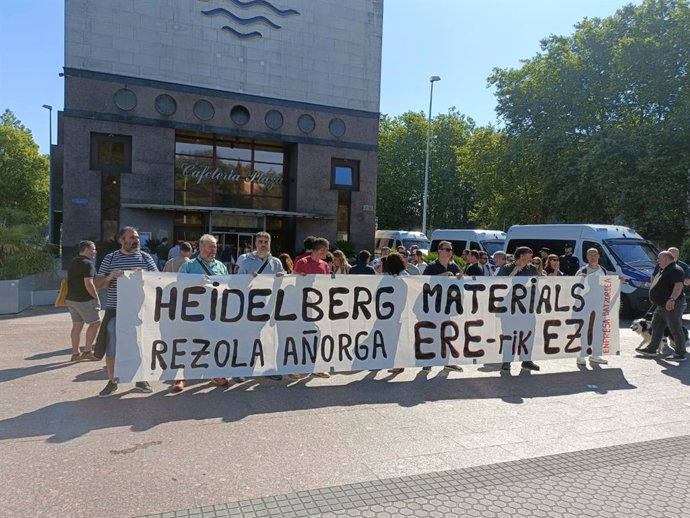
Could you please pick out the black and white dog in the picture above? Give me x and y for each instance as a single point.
(643, 327)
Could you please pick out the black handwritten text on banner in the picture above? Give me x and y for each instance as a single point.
(184, 326)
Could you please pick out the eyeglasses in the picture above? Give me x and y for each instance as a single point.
(446, 249)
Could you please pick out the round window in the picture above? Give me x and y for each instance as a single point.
(274, 119)
(204, 110)
(165, 104)
(125, 99)
(337, 128)
(306, 123)
(239, 115)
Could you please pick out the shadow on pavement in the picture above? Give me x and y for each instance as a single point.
(20, 372)
(67, 420)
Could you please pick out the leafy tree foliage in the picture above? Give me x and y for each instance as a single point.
(402, 155)
(23, 171)
(597, 127)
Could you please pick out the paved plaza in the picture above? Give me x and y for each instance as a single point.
(601, 441)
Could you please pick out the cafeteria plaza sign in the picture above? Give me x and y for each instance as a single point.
(205, 174)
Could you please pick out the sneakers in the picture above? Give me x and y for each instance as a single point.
(676, 357)
(581, 361)
(109, 390)
(322, 374)
(598, 359)
(505, 366)
(426, 369)
(453, 368)
(530, 366)
(397, 370)
(88, 356)
(239, 379)
(647, 352)
(143, 386)
(75, 357)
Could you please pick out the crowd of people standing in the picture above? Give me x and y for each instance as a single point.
(84, 282)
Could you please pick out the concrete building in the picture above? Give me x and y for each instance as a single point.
(226, 116)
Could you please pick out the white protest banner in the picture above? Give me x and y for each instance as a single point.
(173, 326)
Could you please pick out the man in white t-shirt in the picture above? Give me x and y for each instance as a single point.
(591, 268)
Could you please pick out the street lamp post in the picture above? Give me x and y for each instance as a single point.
(425, 202)
(50, 171)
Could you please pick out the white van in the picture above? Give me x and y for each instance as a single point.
(623, 252)
(394, 238)
(489, 241)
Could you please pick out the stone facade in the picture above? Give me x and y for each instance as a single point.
(322, 67)
(325, 52)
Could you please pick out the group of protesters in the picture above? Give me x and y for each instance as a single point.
(84, 282)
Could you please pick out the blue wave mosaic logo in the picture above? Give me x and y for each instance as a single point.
(249, 22)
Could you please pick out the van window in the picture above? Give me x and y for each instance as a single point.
(475, 246)
(493, 246)
(458, 245)
(603, 259)
(555, 246)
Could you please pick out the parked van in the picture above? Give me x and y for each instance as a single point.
(394, 238)
(623, 252)
(489, 241)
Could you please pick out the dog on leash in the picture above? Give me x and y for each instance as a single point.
(643, 327)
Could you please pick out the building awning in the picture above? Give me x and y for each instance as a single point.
(228, 210)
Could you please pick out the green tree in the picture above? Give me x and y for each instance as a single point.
(24, 172)
(600, 121)
(402, 155)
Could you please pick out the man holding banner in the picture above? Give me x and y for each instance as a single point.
(128, 257)
(260, 261)
(206, 264)
(521, 267)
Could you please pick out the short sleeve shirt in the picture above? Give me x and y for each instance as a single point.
(527, 271)
(474, 270)
(436, 268)
(80, 268)
(308, 265)
(194, 266)
(663, 283)
(118, 261)
(252, 263)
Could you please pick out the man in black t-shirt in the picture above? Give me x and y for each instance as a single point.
(666, 293)
(473, 268)
(444, 265)
(569, 263)
(82, 300)
(522, 267)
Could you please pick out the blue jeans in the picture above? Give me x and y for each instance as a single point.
(110, 341)
(674, 321)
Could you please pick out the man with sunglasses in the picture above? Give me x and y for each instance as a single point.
(444, 265)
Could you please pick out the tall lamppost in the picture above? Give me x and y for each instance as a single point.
(432, 80)
(50, 171)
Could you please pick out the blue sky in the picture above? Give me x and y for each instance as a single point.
(459, 40)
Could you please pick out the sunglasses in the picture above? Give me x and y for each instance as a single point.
(446, 249)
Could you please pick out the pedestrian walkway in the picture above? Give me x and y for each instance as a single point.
(645, 479)
(369, 442)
